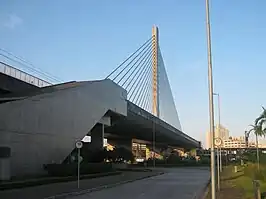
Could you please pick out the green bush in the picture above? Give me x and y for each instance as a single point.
(250, 157)
(205, 161)
(173, 159)
(178, 162)
(263, 158)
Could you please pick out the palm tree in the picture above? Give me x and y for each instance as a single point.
(257, 129)
(261, 120)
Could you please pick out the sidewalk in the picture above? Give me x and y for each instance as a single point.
(49, 180)
(44, 191)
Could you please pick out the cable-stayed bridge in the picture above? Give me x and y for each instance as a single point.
(144, 77)
(134, 101)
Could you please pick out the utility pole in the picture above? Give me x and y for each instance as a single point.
(210, 81)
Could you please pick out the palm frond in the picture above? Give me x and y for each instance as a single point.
(257, 120)
(261, 117)
(258, 131)
(262, 121)
(252, 129)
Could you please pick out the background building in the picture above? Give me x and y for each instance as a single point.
(234, 142)
(208, 141)
(220, 131)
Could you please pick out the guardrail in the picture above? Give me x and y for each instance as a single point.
(18, 74)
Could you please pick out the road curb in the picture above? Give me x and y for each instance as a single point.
(204, 192)
(51, 180)
(85, 191)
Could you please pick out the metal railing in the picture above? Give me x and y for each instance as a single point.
(18, 74)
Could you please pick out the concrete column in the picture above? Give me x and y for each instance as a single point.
(97, 137)
(5, 153)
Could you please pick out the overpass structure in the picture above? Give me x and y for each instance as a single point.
(40, 122)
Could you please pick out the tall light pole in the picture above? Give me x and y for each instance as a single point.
(210, 80)
(219, 125)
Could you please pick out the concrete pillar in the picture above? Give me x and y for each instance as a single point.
(97, 133)
(97, 137)
(5, 154)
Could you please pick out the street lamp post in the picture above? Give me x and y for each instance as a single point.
(211, 115)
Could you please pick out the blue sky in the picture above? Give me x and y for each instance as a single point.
(84, 40)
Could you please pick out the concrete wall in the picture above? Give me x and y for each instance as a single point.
(44, 128)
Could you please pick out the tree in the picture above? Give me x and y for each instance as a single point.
(257, 130)
(261, 120)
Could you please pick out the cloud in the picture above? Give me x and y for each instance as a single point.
(13, 21)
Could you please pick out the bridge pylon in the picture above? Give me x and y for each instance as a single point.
(155, 71)
(143, 75)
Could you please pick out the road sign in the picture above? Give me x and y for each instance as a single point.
(79, 144)
(218, 141)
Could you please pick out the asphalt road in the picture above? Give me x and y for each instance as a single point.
(178, 183)
(48, 190)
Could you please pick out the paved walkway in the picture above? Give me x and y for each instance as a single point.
(40, 192)
(176, 183)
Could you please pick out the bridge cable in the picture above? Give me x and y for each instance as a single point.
(145, 55)
(137, 91)
(144, 88)
(139, 76)
(132, 78)
(128, 58)
(142, 95)
(141, 86)
(147, 93)
(139, 81)
(130, 62)
(148, 101)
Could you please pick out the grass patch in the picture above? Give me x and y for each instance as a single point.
(245, 183)
(237, 185)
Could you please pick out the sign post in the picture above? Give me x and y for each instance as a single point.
(79, 145)
(218, 143)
